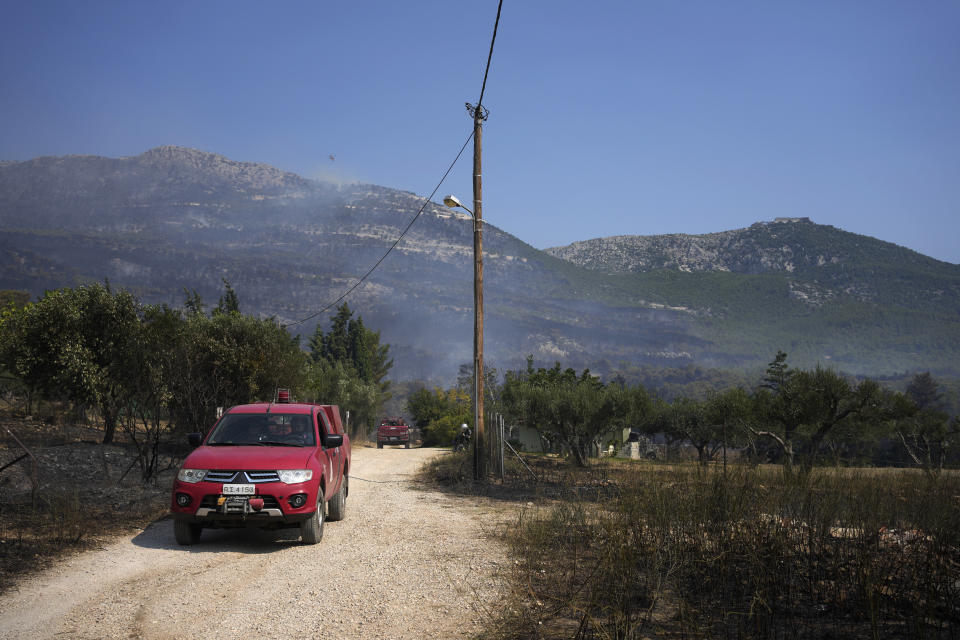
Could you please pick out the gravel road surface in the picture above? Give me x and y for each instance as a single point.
(405, 563)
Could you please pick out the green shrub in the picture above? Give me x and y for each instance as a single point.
(442, 431)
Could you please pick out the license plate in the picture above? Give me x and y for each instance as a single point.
(238, 489)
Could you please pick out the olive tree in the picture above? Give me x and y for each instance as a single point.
(565, 408)
(228, 359)
(75, 344)
(805, 407)
(923, 426)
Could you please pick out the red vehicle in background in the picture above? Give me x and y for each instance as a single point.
(393, 431)
(269, 465)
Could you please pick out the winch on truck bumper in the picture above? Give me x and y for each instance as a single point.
(239, 505)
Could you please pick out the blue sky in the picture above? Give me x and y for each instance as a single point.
(606, 118)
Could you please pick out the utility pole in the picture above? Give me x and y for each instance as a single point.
(479, 446)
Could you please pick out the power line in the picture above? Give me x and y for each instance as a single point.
(480, 112)
(496, 23)
(394, 245)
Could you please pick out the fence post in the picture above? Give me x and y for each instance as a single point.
(501, 448)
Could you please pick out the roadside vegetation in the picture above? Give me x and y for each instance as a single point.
(154, 372)
(795, 417)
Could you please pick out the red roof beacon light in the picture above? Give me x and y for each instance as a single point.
(283, 396)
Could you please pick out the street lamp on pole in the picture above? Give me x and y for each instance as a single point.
(479, 450)
(453, 202)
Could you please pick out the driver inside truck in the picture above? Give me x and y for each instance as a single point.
(277, 427)
(299, 426)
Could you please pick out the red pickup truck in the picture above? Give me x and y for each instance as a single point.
(270, 465)
(393, 431)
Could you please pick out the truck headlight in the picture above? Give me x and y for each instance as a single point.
(294, 476)
(191, 475)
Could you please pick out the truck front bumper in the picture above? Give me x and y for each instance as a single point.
(273, 505)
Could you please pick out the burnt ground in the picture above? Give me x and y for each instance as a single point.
(86, 493)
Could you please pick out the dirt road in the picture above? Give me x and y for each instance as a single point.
(405, 563)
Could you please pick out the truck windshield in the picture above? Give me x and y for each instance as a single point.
(280, 429)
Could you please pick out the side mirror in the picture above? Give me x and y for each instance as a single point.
(195, 439)
(332, 440)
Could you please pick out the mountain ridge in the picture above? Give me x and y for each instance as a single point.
(714, 251)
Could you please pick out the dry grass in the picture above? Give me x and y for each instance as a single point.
(632, 550)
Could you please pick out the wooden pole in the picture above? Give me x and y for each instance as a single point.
(479, 450)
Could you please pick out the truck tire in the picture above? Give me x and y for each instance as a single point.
(311, 531)
(186, 532)
(408, 444)
(337, 507)
(379, 445)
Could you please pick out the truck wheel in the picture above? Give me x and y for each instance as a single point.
(311, 531)
(408, 444)
(338, 503)
(186, 532)
(379, 445)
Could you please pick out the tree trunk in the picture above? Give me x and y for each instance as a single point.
(786, 446)
(109, 425)
(579, 454)
(702, 454)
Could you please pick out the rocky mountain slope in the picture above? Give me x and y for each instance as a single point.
(175, 218)
(792, 245)
(818, 263)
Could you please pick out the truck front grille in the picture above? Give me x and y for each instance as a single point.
(261, 476)
(243, 477)
(220, 476)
